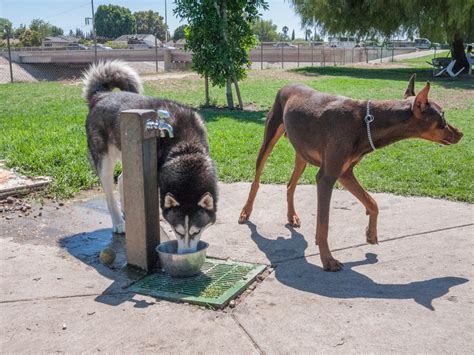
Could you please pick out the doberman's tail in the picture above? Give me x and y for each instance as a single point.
(274, 118)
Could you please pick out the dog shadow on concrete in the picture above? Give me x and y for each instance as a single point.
(300, 274)
(87, 246)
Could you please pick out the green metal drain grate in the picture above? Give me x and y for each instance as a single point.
(218, 282)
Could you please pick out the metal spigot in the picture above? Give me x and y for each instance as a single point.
(162, 125)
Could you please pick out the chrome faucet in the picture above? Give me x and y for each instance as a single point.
(161, 125)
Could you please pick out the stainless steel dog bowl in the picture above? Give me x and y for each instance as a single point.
(181, 265)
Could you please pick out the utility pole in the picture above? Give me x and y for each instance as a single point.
(7, 30)
(93, 32)
(166, 23)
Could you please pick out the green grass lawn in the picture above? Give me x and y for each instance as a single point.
(42, 130)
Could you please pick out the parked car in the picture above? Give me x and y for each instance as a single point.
(284, 45)
(136, 43)
(422, 43)
(76, 47)
(102, 47)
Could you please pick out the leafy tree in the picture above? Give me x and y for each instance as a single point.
(56, 31)
(179, 33)
(5, 26)
(265, 30)
(18, 31)
(79, 33)
(44, 28)
(285, 30)
(307, 34)
(441, 21)
(30, 38)
(293, 35)
(150, 22)
(112, 21)
(219, 33)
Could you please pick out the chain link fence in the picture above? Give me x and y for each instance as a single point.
(51, 64)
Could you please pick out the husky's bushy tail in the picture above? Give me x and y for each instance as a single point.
(106, 76)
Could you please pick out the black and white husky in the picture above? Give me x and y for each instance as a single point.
(187, 177)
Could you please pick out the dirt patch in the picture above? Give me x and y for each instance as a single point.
(277, 74)
(452, 98)
(172, 75)
(388, 65)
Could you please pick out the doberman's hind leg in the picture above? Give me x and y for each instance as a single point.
(300, 165)
(349, 181)
(272, 134)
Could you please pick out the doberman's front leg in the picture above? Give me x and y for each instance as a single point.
(300, 165)
(350, 183)
(325, 186)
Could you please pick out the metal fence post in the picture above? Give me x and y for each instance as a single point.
(7, 29)
(393, 50)
(381, 54)
(323, 62)
(282, 57)
(312, 54)
(298, 55)
(156, 53)
(140, 187)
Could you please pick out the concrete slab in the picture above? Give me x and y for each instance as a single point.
(12, 183)
(412, 293)
(141, 325)
(411, 296)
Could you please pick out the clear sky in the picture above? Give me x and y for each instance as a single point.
(70, 14)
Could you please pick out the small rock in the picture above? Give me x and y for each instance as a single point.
(252, 287)
(23, 209)
(40, 214)
(28, 206)
(8, 218)
(64, 327)
(20, 215)
(61, 204)
(1, 209)
(10, 199)
(232, 304)
(41, 208)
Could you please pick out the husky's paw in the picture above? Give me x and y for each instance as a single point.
(119, 228)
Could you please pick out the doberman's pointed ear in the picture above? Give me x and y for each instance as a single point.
(421, 100)
(410, 91)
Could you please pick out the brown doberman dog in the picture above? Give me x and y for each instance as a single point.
(335, 133)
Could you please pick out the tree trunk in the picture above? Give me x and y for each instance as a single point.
(237, 90)
(457, 52)
(206, 90)
(230, 98)
(223, 14)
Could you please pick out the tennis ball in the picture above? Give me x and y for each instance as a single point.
(107, 256)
